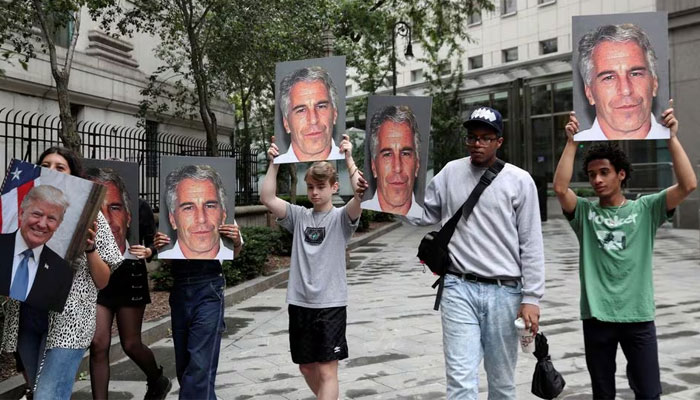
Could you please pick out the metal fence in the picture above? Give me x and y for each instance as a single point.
(25, 135)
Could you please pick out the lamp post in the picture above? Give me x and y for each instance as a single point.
(402, 29)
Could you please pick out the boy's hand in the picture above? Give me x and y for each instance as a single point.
(273, 151)
(362, 185)
(669, 120)
(572, 126)
(346, 146)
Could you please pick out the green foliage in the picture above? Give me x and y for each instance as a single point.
(31, 26)
(372, 216)
(162, 278)
(365, 31)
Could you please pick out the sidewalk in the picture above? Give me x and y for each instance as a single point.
(395, 337)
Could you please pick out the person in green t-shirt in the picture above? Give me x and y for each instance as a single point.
(616, 238)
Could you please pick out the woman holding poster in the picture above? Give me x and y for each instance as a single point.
(69, 332)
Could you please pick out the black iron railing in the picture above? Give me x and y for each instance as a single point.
(25, 135)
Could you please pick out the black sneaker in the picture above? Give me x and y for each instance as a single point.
(158, 389)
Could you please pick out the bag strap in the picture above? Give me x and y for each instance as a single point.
(445, 234)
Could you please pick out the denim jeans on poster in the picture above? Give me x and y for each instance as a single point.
(197, 313)
(31, 339)
(57, 373)
(477, 322)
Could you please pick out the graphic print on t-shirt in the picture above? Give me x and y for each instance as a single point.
(314, 236)
(612, 240)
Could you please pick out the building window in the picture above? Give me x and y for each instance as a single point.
(416, 75)
(62, 35)
(474, 19)
(509, 7)
(476, 62)
(548, 46)
(444, 68)
(545, 2)
(348, 90)
(510, 55)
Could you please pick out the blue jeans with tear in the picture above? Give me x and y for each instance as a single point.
(477, 322)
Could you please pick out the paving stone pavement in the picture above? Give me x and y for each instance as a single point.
(394, 335)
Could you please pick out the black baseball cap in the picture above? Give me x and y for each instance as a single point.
(485, 116)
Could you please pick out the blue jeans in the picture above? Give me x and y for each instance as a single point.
(197, 312)
(477, 322)
(57, 373)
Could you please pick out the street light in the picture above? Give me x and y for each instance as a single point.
(402, 29)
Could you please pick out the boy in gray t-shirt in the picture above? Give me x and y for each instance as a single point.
(317, 288)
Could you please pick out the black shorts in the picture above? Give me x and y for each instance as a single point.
(317, 334)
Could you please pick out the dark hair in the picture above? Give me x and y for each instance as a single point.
(72, 158)
(612, 152)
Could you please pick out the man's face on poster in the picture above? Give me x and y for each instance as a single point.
(117, 214)
(38, 222)
(395, 165)
(196, 216)
(310, 119)
(622, 88)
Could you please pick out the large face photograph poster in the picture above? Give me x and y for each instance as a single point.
(309, 109)
(197, 196)
(121, 203)
(44, 218)
(621, 77)
(396, 154)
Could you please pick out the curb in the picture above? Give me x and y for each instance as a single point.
(153, 331)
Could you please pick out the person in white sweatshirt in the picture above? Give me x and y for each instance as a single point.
(497, 271)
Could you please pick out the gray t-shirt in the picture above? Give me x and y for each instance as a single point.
(317, 272)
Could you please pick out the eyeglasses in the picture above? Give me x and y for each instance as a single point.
(483, 140)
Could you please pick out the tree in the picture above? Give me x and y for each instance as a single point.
(21, 17)
(261, 34)
(439, 29)
(183, 85)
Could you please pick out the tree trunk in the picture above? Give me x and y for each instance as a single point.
(68, 133)
(200, 79)
(245, 146)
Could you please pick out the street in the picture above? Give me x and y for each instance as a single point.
(395, 338)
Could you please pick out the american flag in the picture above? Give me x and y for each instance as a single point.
(20, 179)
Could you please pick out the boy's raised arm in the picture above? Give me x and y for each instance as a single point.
(357, 180)
(682, 167)
(565, 169)
(268, 193)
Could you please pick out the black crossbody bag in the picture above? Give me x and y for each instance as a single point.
(433, 251)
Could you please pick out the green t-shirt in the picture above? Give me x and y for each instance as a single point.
(616, 247)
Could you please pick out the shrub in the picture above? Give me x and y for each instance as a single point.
(372, 216)
(161, 278)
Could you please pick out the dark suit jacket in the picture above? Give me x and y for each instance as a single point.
(54, 276)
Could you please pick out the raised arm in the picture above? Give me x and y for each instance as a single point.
(357, 180)
(268, 193)
(565, 168)
(682, 167)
